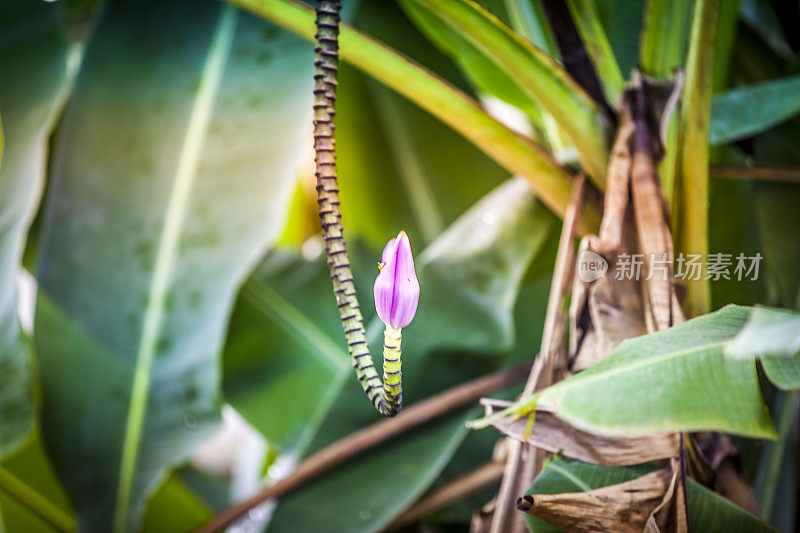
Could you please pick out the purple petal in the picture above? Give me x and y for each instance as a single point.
(406, 286)
(383, 290)
(389, 250)
(396, 287)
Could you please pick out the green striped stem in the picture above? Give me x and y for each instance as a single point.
(392, 369)
(387, 399)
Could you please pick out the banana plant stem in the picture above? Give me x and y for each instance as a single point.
(386, 399)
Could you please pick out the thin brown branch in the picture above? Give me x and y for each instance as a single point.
(503, 519)
(372, 435)
(482, 477)
(524, 462)
(759, 173)
(563, 273)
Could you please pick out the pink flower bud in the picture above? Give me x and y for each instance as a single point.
(396, 287)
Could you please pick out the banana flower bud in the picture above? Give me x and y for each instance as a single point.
(396, 287)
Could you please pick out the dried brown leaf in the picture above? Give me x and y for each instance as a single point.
(655, 241)
(661, 97)
(558, 436)
(647, 103)
(606, 311)
(625, 507)
(617, 187)
(666, 517)
(603, 312)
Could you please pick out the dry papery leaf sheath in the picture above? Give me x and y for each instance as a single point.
(603, 313)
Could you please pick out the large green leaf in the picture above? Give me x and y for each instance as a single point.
(749, 110)
(768, 332)
(518, 154)
(284, 338)
(665, 382)
(469, 278)
(175, 160)
(663, 37)
(774, 336)
(32, 76)
(708, 511)
(482, 71)
(537, 74)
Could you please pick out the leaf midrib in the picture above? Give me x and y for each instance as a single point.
(177, 209)
(581, 379)
(578, 482)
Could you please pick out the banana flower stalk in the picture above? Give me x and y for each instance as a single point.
(396, 288)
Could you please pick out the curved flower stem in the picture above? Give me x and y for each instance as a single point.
(386, 399)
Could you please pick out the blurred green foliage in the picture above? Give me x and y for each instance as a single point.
(178, 262)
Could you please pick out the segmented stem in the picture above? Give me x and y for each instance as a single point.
(392, 373)
(386, 399)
